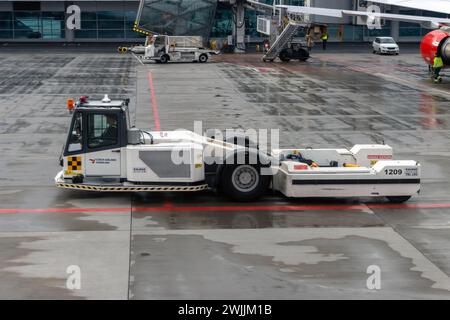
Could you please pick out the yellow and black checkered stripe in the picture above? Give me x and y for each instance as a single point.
(142, 31)
(133, 188)
(74, 164)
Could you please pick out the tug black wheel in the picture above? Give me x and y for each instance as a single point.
(284, 56)
(78, 179)
(243, 182)
(399, 199)
(164, 58)
(203, 58)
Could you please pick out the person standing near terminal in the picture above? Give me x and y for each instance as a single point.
(325, 40)
(438, 64)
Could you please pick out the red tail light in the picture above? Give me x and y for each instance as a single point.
(301, 167)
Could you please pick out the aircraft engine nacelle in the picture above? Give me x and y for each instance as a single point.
(436, 41)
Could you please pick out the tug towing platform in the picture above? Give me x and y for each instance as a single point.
(104, 153)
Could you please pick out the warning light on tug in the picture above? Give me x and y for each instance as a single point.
(70, 104)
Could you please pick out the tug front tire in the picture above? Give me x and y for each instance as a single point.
(243, 182)
(164, 58)
(399, 199)
(203, 58)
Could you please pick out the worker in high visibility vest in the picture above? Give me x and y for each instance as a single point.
(324, 41)
(438, 64)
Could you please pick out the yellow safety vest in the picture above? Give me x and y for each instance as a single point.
(438, 63)
(325, 37)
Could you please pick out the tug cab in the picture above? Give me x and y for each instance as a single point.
(96, 139)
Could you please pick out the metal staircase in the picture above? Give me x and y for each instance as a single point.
(283, 39)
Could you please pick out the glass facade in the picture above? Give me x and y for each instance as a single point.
(32, 25)
(114, 21)
(107, 20)
(222, 25)
(385, 31)
(222, 22)
(182, 17)
(413, 29)
(100, 20)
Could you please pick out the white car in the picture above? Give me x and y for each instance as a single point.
(385, 45)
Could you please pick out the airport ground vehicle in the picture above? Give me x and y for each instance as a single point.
(163, 49)
(385, 45)
(104, 153)
(296, 51)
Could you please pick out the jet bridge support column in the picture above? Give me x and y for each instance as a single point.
(69, 33)
(395, 25)
(238, 25)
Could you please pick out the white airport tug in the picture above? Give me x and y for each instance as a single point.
(162, 49)
(105, 153)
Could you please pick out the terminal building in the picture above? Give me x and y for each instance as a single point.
(113, 21)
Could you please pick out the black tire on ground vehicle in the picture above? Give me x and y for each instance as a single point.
(243, 182)
(304, 54)
(203, 58)
(399, 199)
(284, 56)
(164, 58)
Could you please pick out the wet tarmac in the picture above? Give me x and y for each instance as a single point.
(189, 246)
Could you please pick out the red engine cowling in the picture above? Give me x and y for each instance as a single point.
(434, 41)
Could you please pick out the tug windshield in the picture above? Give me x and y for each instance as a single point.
(76, 134)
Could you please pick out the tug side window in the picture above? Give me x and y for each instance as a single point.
(76, 136)
(103, 130)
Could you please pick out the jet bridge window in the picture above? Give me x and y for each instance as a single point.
(177, 17)
(76, 136)
(102, 130)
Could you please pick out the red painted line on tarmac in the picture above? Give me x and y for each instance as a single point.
(154, 104)
(167, 207)
(64, 210)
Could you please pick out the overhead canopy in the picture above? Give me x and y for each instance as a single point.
(176, 17)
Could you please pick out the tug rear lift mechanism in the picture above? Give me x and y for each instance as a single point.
(105, 153)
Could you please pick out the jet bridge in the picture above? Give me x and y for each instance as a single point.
(193, 17)
(196, 18)
(176, 18)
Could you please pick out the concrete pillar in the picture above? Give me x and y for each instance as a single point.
(70, 34)
(239, 27)
(395, 25)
